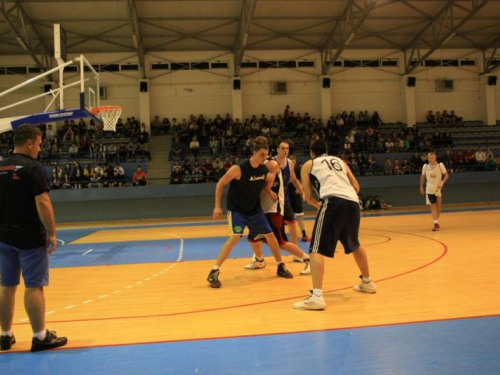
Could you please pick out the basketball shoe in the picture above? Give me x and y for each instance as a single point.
(365, 287)
(6, 342)
(213, 279)
(436, 228)
(256, 264)
(307, 268)
(313, 302)
(283, 272)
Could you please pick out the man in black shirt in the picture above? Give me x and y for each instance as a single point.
(243, 203)
(27, 236)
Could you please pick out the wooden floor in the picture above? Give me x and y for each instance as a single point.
(421, 275)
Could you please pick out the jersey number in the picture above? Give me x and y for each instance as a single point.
(332, 164)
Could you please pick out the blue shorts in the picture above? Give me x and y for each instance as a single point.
(257, 224)
(432, 198)
(33, 263)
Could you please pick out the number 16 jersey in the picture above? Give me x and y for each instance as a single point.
(329, 178)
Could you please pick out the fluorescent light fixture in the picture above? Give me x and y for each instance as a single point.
(134, 39)
(22, 44)
(244, 41)
(448, 38)
(349, 39)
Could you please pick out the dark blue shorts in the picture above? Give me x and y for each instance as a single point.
(257, 224)
(338, 220)
(432, 198)
(33, 263)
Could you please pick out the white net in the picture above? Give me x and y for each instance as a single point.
(109, 116)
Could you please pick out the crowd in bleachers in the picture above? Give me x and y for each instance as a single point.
(203, 149)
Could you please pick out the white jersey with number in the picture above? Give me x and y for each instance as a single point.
(434, 175)
(329, 178)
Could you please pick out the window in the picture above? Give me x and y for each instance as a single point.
(220, 65)
(160, 66)
(179, 66)
(249, 64)
(371, 63)
(129, 67)
(450, 62)
(306, 64)
(467, 62)
(390, 62)
(16, 70)
(202, 65)
(34, 69)
(109, 68)
(287, 64)
(352, 63)
(267, 64)
(432, 62)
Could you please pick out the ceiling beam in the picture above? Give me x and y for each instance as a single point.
(246, 19)
(136, 36)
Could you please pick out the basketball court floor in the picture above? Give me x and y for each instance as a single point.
(133, 298)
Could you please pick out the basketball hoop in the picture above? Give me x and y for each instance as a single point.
(109, 115)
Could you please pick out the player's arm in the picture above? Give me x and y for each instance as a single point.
(306, 184)
(294, 180)
(422, 184)
(273, 168)
(352, 179)
(46, 214)
(232, 173)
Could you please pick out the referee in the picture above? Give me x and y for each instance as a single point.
(27, 237)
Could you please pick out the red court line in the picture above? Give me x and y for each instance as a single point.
(445, 251)
(268, 334)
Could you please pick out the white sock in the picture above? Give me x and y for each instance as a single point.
(318, 292)
(216, 267)
(366, 279)
(259, 259)
(40, 335)
(7, 333)
(305, 257)
(436, 221)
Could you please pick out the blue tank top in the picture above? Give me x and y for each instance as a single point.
(285, 171)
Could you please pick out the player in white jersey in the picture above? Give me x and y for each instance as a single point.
(274, 210)
(436, 176)
(338, 220)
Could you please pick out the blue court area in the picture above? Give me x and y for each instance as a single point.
(465, 346)
(134, 252)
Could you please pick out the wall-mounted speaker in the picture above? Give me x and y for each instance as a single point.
(326, 83)
(411, 81)
(237, 84)
(492, 80)
(47, 87)
(143, 86)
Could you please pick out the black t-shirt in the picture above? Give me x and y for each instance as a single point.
(21, 180)
(244, 194)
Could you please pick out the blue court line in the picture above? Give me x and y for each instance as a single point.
(459, 347)
(224, 222)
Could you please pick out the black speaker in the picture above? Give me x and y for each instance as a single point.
(492, 80)
(326, 83)
(237, 84)
(48, 87)
(411, 82)
(143, 86)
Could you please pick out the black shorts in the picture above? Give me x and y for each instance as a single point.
(432, 198)
(337, 220)
(277, 225)
(296, 203)
(289, 216)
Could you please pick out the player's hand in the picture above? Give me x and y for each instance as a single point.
(51, 244)
(217, 213)
(303, 197)
(422, 191)
(440, 185)
(273, 195)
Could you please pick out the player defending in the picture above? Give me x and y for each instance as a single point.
(433, 172)
(338, 219)
(246, 183)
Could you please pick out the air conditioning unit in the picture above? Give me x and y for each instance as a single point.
(102, 92)
(278, 88)
(443, 85)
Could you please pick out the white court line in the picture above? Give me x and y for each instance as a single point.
(61, 241)
(70, 306)
(49, 312)
(138, 283)
(88, 251)
(128, 287)
(103, 296)
(24, 320)
(117, 291)
(88, 301)
(147, 278)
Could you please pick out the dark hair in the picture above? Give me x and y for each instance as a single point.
(25, 133)
(319, 147)
(259, 142)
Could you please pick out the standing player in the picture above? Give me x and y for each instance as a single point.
(288, 177)
(296, 200)
(433, 172)
(338, 220)
(274, 210)
(27, 237)
(246, 183)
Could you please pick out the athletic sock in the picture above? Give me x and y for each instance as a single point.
(305, 258)
(259, 259)
(318, 292)
(216, 267)
(436, 221)
(366, 279)
(7, 333)
(40, 335)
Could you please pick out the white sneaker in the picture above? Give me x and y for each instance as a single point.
(313, 302)
(297, 259)
(307, 269)
(365, 287)
(256, 265)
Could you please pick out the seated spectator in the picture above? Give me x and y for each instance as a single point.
(436, 140)
(95, 180)
(373, 165)
(55, 183)
(144, 148)
(406, 167)
(106, 179)
(120, 172)
(416, 163)
(388, 167)
(66, 183)
(73, 151)
(227, 164)
(176, 176)
(480, 157)
(446, 117)
(186, 176)
(397, 167)
(156, 125)
(49, 133)
(448, 160)
(470, 159)
(376, 120)
(458, 161)
(431, 119)
(439, 118)
(497, 161)
(132, 150)
(112, 153)
(208, 170)
(176, 150)
(490, 164)
(139, 177)
(197, 176)
(489, 152)
(454, 119)
(194, 146)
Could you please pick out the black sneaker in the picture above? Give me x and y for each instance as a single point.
(51, 341)
(6, 342)
(213, 279)
(283, 272)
